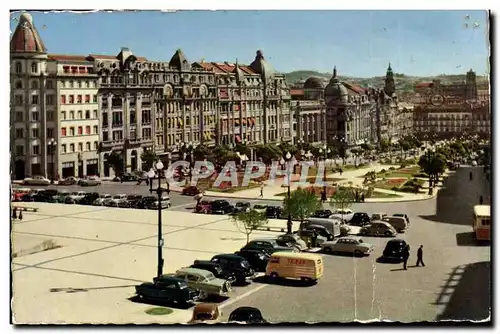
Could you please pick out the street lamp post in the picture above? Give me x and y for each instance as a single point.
(52, 145)
(159, 192)
(289, 223)
(430, 156)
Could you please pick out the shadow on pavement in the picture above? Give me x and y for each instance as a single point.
(470, 294)
(455, 202)
(73, 290)
(284, 282)
(138, 300)
(469, 239)
(387, 260)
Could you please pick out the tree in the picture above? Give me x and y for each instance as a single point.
(115, 160)
(433, 164)
(148, 158)
(301, 205)
(247, 222)
(384, 145)
(366, 147)
(342, 199)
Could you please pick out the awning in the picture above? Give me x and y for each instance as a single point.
(237, 138)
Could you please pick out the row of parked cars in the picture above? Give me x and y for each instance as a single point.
(90, 198)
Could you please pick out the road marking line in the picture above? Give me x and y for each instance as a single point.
(246, 294)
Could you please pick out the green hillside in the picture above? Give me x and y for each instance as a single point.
(403, 82)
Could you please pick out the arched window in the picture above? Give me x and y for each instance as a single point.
(34, 67)
(34, 84)
(19, 67)
(19, 84)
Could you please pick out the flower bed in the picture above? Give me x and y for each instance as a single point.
(389, 183)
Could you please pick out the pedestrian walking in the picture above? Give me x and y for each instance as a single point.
(362, 197)
(357, 196)
(323, 196)
(314, 238)
(340, 171)
(481, 200)
(420, 256)
(470, 176)
(14, 215)
(20, 215)
(406, 256)
(261, 189)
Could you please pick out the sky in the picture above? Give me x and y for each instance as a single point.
(358, 43)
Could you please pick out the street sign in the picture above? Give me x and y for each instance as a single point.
(162, 242)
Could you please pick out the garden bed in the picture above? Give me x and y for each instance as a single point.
(331, 190)
(389, 184)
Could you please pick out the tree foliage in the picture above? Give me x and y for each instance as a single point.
(268, 152)
(115, 160)
(247, 222)
(301, 204)
(384, 145)
(148, 158)
(433, 163)
(201, 152)
(342, 198)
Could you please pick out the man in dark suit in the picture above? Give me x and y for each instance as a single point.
(420, 256)
(406, 255)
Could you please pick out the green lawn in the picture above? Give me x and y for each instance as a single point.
(377, 194)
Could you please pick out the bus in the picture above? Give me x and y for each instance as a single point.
(482, 222)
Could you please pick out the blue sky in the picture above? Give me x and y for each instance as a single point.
(359, 43)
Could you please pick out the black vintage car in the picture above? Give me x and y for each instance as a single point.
(248, 315)
(128, 177)
(267, 245)
(145, 202)
(89, 198)
(241, 207)
(236, 265)
(394, 250)
(133, 200)
(221, 207)
(215, 269)
(257, 259)
(322, 214)
(168, 289)
(360, 219)
(274, 212)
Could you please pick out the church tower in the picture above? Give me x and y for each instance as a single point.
(470, 86)
(390, 85)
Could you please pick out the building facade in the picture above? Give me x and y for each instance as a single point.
(164, 105)
(53, 109)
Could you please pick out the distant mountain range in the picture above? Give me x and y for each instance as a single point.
(403, 82)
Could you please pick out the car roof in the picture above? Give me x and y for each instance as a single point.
(229, 256)
(263, 239)
(349, 238)
(205, 262)
(170, 278)
(194, 271)
(394, 241)
(292, 255)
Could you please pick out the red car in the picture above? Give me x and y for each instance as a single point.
(191, 191)
(203, 207)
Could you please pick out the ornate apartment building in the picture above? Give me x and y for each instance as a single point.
(54, 115)
(164, 105)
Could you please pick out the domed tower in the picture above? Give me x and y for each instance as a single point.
(314, 88)
(336, 98)
(179, 61)
(261, 66)
(335, 91)
(390, 85)
(240, 76)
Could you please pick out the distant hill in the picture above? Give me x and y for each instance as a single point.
(403, 82)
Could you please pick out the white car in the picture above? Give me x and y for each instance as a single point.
(89, 181)
(352, 245)
(37, 180)
(343, 211)
(101, 199)
(260, 208)
(77, 195)
(117, 199)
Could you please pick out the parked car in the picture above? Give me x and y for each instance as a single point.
(89, 198)
(260, 208)
(343, 211)
(241, 207)
(247, 315)
(291, 240)
(191, 191)
(236, 265)
(359, 219)
(377, 229)
(133, 200)
(19, 193)
(43, 196)
(268, 245)
(404, 215)
(205, 313)
(274, 212)
(203, 207)
(351, 245)
(394, 250)
(127, 177)
(36, 180)
(204, 281)
(69, 181)
(102, 198)
(115, 200)
(89, 181)
(145, 202)
(75, 197)
(165, 203)
(167, 288)
(215, 269)
(257, 259)
(221, 207)
(321, 231)
(322, 214)
(378, 216)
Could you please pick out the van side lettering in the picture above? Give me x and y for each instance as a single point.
(297, 261)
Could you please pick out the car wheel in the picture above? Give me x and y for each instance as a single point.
(358, 253)
(274, 276)
(328, 250)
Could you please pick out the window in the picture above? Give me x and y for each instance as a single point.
(19, 150)
(80, 130)
(35, 116)
(80, 147)
(34, 84)
(19, 116)
(87, 146)
(96, 129)
(72, 148)
(18, 100)
(71, 99)
(87, 130)
(35, 133)
(96, 146)
(87, 84)
(63, 115)
(79, 99)
(50, 100)
(19, 133)
(34, 67)
(79, 84)
(50, 84)
(36, 149)
(105, 136)
(19, 67)
(34, 99)
(63, 99)
(87, 114)
(71, 114)
(50, 133)
(63, 132)
(71, 131)
(95, 99)
(95, 113)
(87, 98)
(80, 114)
(63, 148)
(18, 84)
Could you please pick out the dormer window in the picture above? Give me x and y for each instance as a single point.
(19, 67)
(34, 67)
